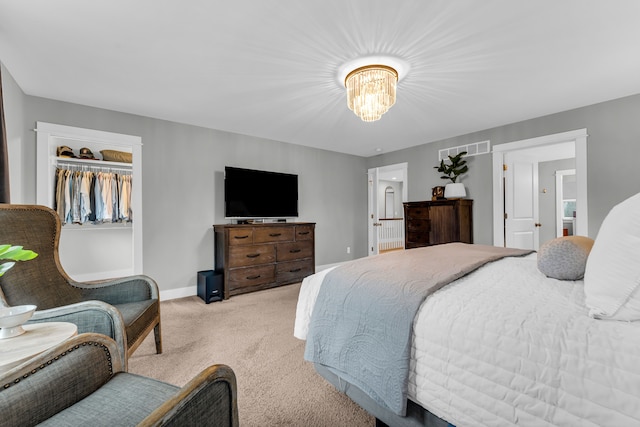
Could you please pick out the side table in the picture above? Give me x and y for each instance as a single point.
(37, 338)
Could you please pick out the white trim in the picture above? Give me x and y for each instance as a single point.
(47, 137)
(541, 140)
(188, 291)
(579, 138)
(559, 196)
(102, 275)
(482, 147)
(372, 196)
(88, 135)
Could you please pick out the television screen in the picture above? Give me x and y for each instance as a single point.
(252, 193)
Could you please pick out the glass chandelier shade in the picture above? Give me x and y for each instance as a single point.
(371, 91)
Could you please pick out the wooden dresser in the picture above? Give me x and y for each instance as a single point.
(259, 256)
(435, 222)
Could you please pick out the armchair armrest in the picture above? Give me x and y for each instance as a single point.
(56, 379)
(209, 399)
(90, 317)
(121, 290)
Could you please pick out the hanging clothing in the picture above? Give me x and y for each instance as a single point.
(92, 196)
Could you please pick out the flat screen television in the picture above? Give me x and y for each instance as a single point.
(250, 193)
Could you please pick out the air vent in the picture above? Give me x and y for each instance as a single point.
(472, 149)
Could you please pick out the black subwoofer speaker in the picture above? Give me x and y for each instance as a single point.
(210, 286)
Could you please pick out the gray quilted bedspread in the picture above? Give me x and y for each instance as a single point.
(361, 326)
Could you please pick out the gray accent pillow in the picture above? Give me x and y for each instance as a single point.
(565, 258)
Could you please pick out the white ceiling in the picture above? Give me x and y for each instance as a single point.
(270, 68)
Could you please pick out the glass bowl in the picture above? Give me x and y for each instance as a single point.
(12, 319)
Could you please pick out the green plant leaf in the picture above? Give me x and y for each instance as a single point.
(14, 253)
(456, 167)
(5, 267)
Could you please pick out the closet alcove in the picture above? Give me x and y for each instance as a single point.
(92, 251)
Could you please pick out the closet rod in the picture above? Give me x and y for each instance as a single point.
(79, 167)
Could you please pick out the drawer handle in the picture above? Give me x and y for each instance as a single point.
(275, 234)
(240, 237)
(294, 251)
(303, 232)
(295, 270)
(253, 255)
(253, 277)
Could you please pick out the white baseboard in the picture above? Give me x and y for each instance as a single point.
(178, 293)
(100, 275)
(193, 290)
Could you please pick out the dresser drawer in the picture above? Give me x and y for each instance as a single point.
(243, 256)
(258, 256)
(272, 234)
(240, 236)
(294, 271)
(418, 213)
(295, 250)
(422, 225)
(418, 237)
(251, 276)
(304, 232)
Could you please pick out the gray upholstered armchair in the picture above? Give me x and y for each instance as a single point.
(82, 382)
(125, 309)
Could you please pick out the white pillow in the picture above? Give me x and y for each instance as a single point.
(612, 275)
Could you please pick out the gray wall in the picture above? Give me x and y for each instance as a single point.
(182, 175)
(182, 172)
(613, 148)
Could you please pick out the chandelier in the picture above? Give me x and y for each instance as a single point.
(371, 91)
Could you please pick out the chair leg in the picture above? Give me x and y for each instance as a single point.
(158, 338)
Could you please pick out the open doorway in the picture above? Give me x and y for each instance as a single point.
(516, 190)
(387, 192)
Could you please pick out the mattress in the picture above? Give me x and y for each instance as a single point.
(506, 345)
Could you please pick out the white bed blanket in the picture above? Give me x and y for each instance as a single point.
(506, 345)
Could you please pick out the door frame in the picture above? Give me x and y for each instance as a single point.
(560, 174)
(372, 186)
(579, 138)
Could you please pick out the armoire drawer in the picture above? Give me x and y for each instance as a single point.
(422, 225)
(252, 276)
(418, 237)
(244, 256)
(294, 250)
(418, 213)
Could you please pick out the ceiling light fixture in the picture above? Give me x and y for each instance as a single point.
(371, 91)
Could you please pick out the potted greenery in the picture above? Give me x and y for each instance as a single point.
(451, 171)
(13, 253)
(12, 318)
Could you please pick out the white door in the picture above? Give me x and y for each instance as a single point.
(521, 202)
(372, 211)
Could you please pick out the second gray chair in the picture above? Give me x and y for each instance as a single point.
(82, 382)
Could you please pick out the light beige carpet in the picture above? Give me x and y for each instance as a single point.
(253, 334)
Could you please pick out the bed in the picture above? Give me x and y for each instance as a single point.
(503, 344)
